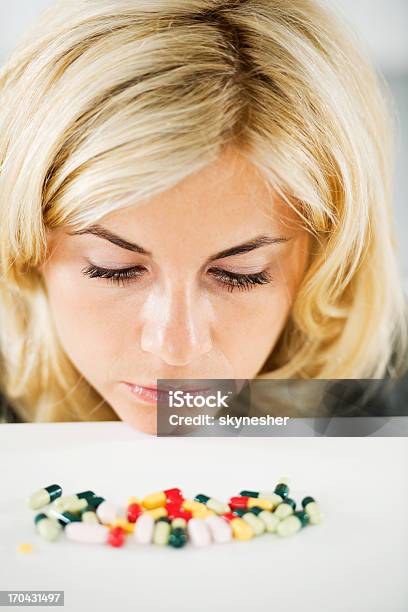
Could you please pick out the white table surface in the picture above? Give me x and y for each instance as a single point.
(357, 560)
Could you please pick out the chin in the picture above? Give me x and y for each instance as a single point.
(139, 419)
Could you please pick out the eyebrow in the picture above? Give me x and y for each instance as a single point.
(250, 245)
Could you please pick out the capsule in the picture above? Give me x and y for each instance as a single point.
(87, 533)
(197, 509)
(286, 508)
(219, 528)
(73, 503)
(292, 523)
(45, 496)
(63, 518)
(270, 496)
(143, 531)
(133, 512)
(213, 504)
(161, 531)
(116, 536)
(313, 511)
(257, 525)
(155, 500)
(245, 501)
(89, 516)
(240, 529)
(269, 519)
(175, 510)
(48, 528)
(199, 532)
(282, 490)
(178, 535)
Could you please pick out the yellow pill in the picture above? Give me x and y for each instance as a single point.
(241, 530)
(190, 504)
(157, 512)
(202, 512)
(25, 548)
(121, 522)
(265, 504)
(154, 500)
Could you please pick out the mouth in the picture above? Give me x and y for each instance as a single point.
(150, 394)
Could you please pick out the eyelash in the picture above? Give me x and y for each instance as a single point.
(232, 280)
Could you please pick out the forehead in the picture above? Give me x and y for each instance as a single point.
(229, 194)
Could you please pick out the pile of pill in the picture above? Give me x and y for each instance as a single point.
(168, 518)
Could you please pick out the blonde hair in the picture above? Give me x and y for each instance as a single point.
(104, 103)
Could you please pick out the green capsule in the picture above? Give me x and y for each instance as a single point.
(178, 537)
(63, 517)
(85, 495)
(257, 525)
(249, 493)
(161, 531)
(282, 490)
(313, 511)
(212, 504)
(289, 525)
(302, 516)
(94, 502)
(286, 508)
(89, 516)
(44, 496)
(48, 528)
(70, 503)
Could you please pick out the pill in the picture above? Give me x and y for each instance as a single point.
(89, 516)
(282, 490)
(260, 502)
(240, 529)
(116, 537)
(213, 504)
(198, 532)
(269, 519)
(293, 523)
(157, 513)
(106, 512)
(124, 524)
(47, 527)
(219, 528)
(70, 503)
(257, 526)
(63, 518)
(25, 548)
(161, 531)
(271, 497)
(44, 496)
(313, 511)
(177, 511)
(286, 508)
(143, 531)
(134, 510)
(155, 500)
(87, 533)
(178, 536)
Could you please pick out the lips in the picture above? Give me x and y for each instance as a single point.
(154, 387)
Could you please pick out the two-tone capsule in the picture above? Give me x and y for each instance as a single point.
(241, 530)
(47, 527)
(269, 519)
(160, 498)
(73, 503)
(270, 496)
(178, 536)
(287, 507)
(44, 496)
(245, 502)
(292, 523)
(256, 524)
(313, 511)
(161, 531)
(213, 504)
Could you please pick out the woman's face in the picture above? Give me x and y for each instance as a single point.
(180, 313)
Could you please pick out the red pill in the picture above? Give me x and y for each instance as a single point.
(228, 516)
(133, 512)
(238, 502)
(179, 512)
(116, 536)
(173, 495)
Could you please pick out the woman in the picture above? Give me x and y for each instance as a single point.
(191, 190)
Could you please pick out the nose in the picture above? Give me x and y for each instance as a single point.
(176, 326)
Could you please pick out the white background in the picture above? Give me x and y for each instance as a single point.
(356, 561)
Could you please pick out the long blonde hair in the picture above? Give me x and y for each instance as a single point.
(107, 102)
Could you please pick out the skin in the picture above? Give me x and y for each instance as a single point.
(177, 320)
